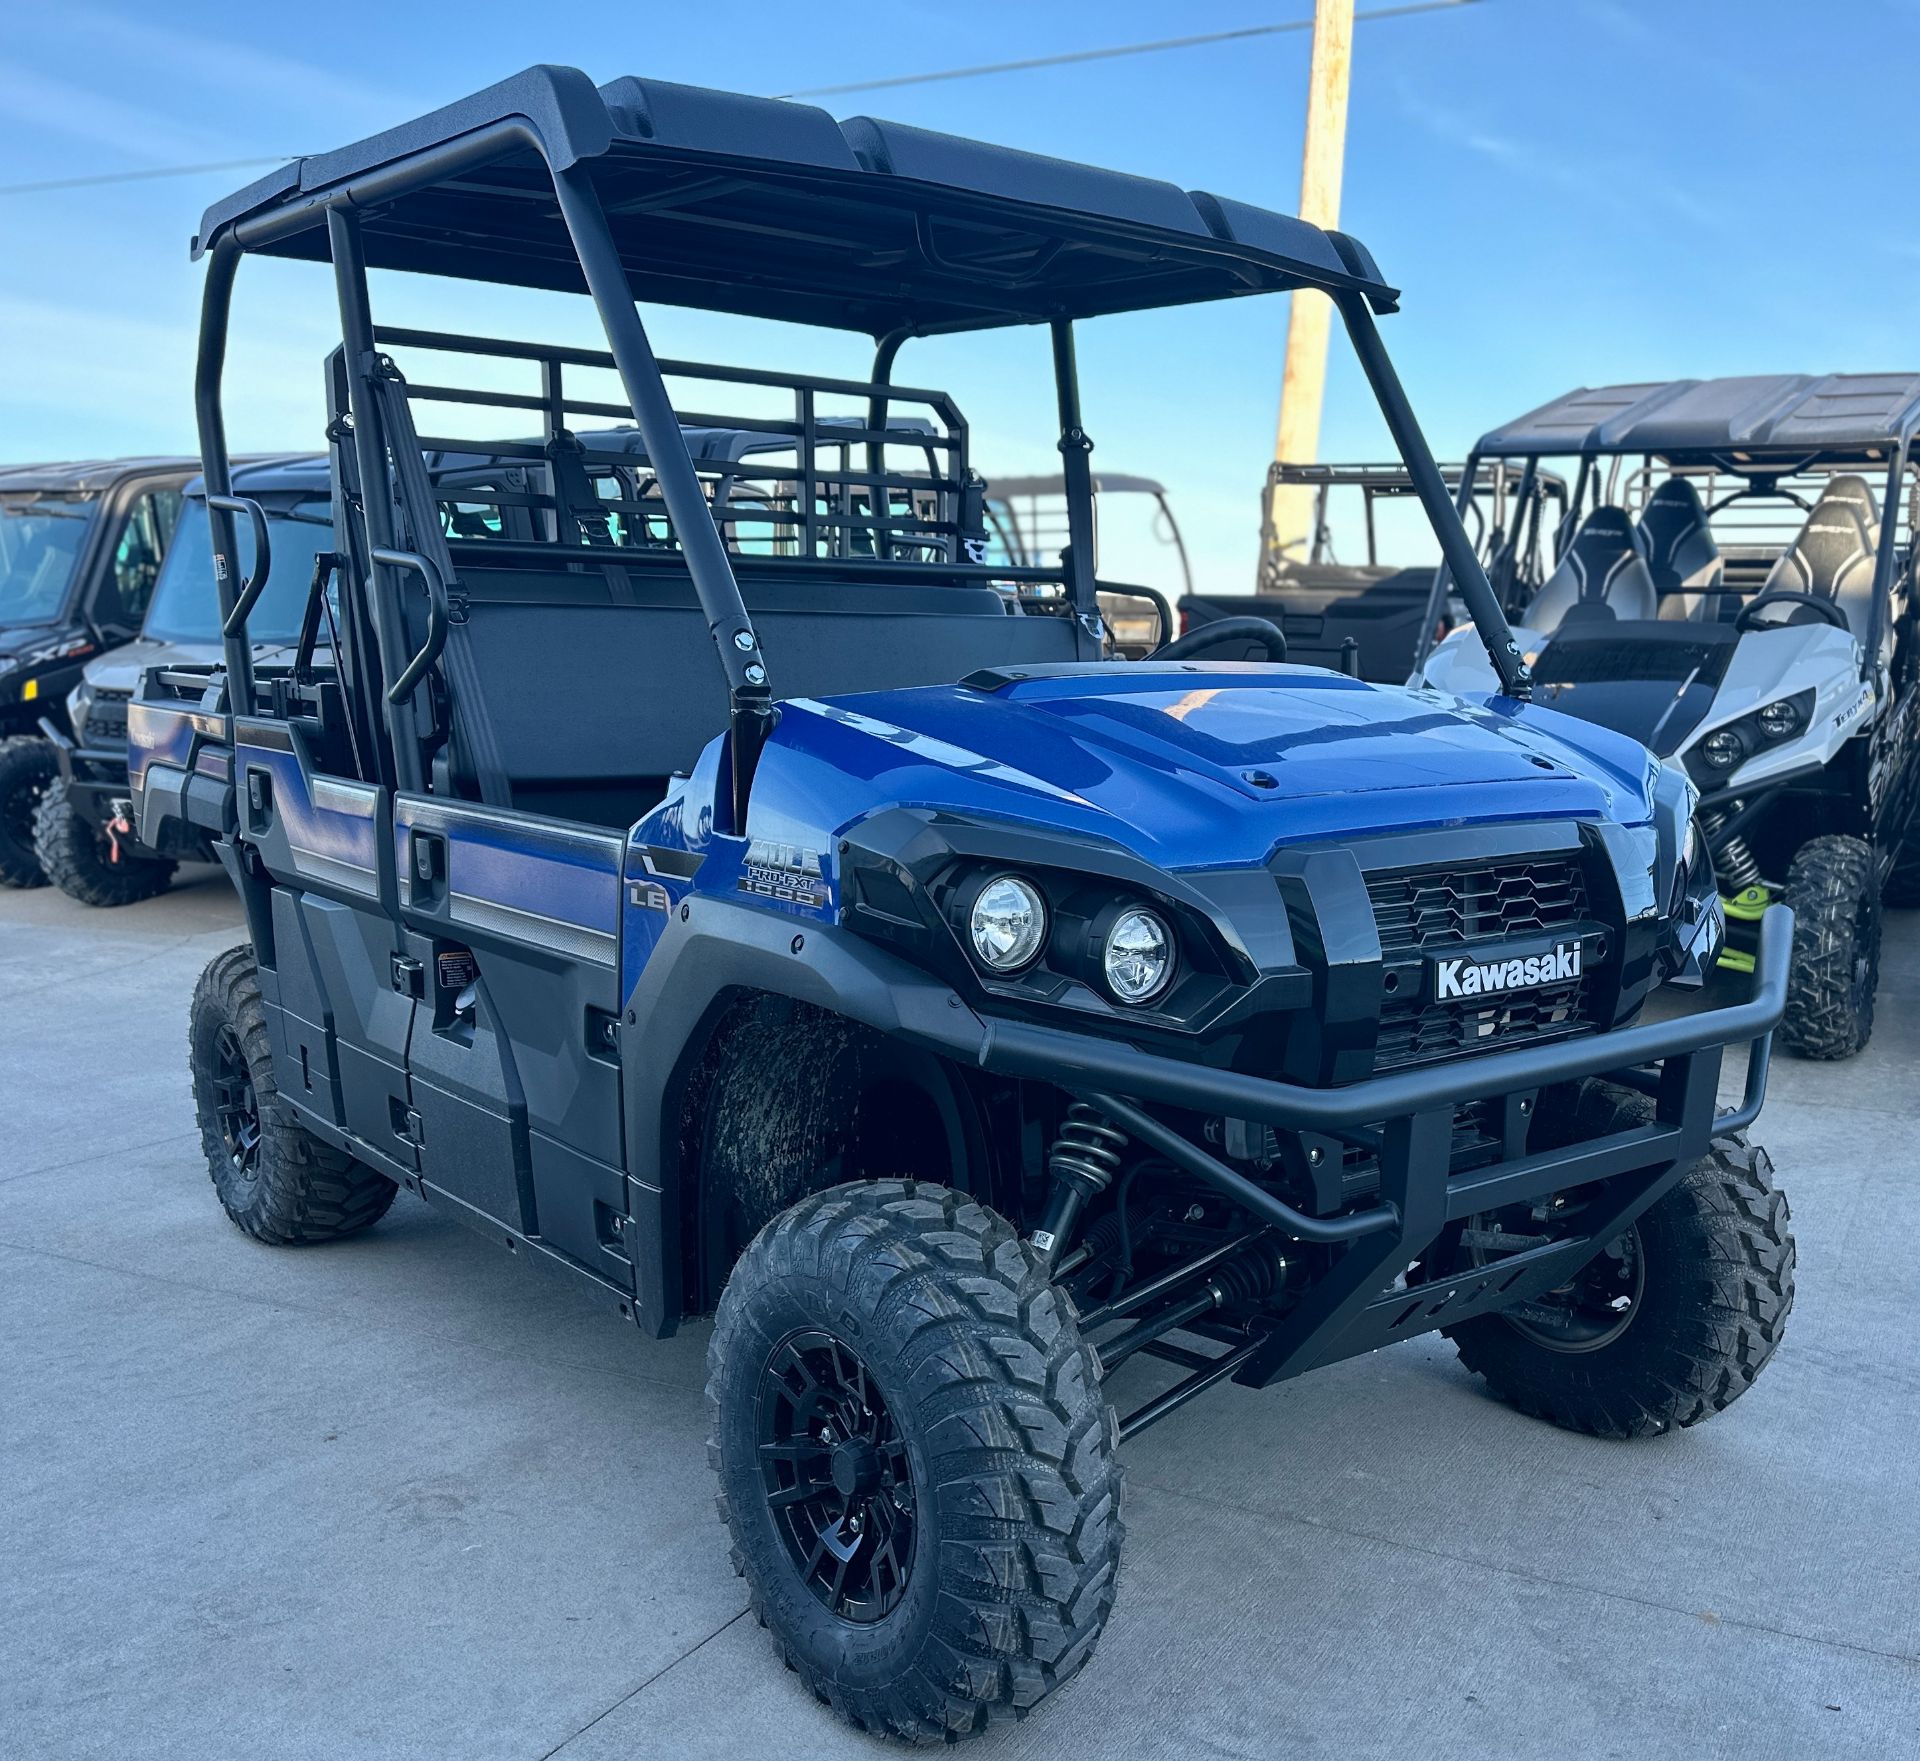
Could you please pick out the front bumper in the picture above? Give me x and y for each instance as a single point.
(1363, 1301)
(720, 948)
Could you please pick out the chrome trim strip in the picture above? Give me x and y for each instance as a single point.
(448, 817)
(552, 933)
(360, 800)
(354, 877)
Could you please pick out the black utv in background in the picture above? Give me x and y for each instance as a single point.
(80, 550)
(83, 834)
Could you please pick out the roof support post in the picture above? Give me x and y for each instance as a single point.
(216, 307)
(750, 698)
(1076, 452)
(1442, 574)
(1455, 546)
(1883, 565)
(376, 492)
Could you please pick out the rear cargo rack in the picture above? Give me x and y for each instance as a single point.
(786, 473)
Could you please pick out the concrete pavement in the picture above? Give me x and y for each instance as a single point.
(393, 1497)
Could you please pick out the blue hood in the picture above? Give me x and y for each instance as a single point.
(1195, 766)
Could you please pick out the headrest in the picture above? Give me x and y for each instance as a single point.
(1676, 500)
(1853, 492)
(1605, 525)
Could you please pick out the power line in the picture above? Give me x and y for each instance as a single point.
(1073, 56)
(81, 183)
(1069, 58)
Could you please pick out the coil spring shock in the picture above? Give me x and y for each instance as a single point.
(1734, 865)
(1083, 1162)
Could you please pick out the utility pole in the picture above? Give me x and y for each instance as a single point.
(1309, 319)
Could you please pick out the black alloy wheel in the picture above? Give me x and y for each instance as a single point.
(235, 1106)
(837, 1477)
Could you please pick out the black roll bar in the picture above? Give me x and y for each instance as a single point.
(1076, 452)
(1883, 563)
(1442, 575)
(216, 307)
(376, 501)
(750, 696)
(1455, 546)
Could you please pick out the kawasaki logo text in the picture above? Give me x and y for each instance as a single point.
(1482, 978)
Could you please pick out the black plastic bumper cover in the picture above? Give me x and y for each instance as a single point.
(1409, 1115)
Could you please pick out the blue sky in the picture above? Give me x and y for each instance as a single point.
(1569, 191)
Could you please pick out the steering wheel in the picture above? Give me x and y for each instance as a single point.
(1221, 631)
(1818, 602)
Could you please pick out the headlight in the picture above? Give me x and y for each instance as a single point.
(78, 700)
(1689, 845)
(1780, 720)
(1138, 957)
(1008, 923)
(1722, 749)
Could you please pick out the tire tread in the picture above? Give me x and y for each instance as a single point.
(1021, 1445)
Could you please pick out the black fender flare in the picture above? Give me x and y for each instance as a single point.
(712, 950)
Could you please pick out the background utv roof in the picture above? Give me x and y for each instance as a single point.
(776, 210)
(1791, 413)
(83, 476)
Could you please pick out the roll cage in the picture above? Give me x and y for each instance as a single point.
(1766, 437)
(1501, 527)
(641, 190)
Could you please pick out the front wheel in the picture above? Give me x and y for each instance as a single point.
(1673, 1320)
(27, 771)
(1835, 969)
(80, 860)
(917, 1467)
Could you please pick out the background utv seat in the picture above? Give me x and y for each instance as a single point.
(1602, 566)
(1680, 553)
(1833, 556)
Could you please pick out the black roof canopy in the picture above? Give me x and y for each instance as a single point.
(1782, 416)
(776, 210)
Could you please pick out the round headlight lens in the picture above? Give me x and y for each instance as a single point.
(1138, 959)
(1007, 924)
(1722, 750)
(1778, 720)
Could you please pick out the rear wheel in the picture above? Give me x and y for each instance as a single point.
(1835, 969)
(917, 1467)
(78, 856)
(27, 769)
(276, 1180)
(1674, 1319)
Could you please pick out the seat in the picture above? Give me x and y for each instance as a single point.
(1832, 556)
(1680, 553)
(597, 689)
(1603, 566)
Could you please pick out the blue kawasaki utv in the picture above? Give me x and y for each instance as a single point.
(733, 897)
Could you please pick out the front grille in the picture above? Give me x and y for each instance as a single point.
(106, 719)
(1422, 913)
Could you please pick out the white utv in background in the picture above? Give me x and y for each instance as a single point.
(1734, 586)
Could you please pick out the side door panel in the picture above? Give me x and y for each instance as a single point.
(525, 1079)
(338, 1008)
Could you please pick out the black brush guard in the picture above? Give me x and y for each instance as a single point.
(1362, 1302)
